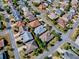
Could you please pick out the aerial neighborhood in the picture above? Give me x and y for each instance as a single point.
(39, 29)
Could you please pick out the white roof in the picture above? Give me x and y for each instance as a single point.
(52, 16)
(27, 36)
(39, 30)
(25, 9)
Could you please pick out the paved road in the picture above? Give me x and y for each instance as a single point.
(65, 37)
(12, 39)
(51, 50)
(13, 43)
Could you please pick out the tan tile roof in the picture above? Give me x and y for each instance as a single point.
(62, 22)
(46, 36)
(42, 7)
(34, 23)
(20, 23)
(30, 46)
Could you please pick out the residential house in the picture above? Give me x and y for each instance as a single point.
(61, 22)
(56, 3)
(31, 46)
(3, 55)
(71, 13)
(20, 23)
(1, 44)
(70, 55)
(34, 23)
(74, 3)
(27, 13)
(25, 9)
(31, 17)
(52, 16)
(42, 6)
(65, 17)
(16, 14)
(39, 30)
(46, 36)
(63, 4)
(26, 36)
(58, 12)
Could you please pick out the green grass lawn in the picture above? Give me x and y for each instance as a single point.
(53, 42)
(75, 34)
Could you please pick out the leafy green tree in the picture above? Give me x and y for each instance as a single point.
(0, 22)
(36, 13)
(26, 20)
(7, 8)
(69, 6)
(38, 40)
(35, 52)
(46, 57)
(15, 1)
(26, 3)
(55, 34)
(35, 4)
(66, 46)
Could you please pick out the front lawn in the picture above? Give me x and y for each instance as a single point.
(75, 34)
(53, 42)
